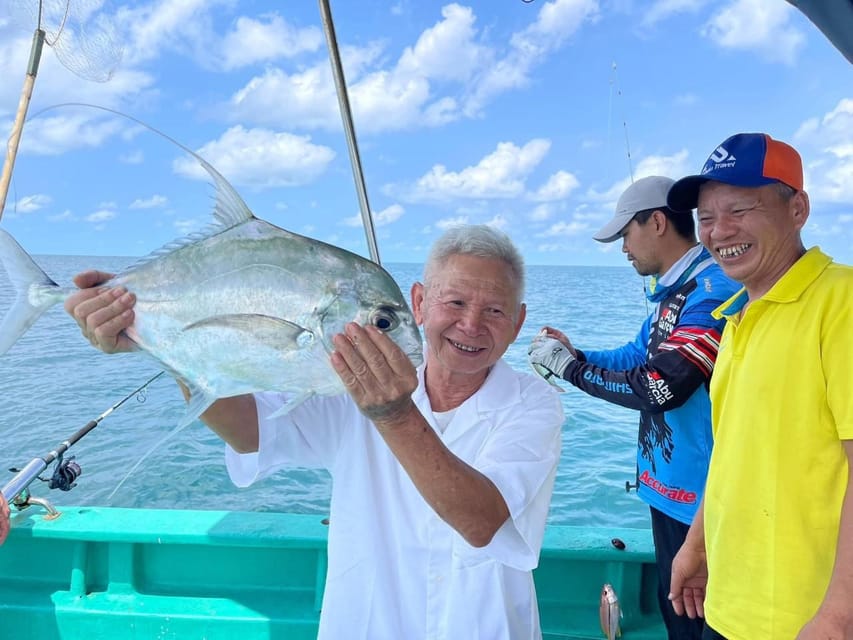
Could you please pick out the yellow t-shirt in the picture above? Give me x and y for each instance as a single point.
(781, 402)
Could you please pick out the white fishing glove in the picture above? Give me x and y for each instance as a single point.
(549, 357)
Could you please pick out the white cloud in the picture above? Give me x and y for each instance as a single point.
(148, 203)
(497, 222)
(541, 212)
(686, 99)
(28, 204)
(186, 226)
(663, 9)
(381, 99)
(558, 187)
(449, 72)
(183, 26)
(275, 98)
(501, 174)
(562, 228)
(388, 215)
(446, 223)
(102, 215)
(260, 158)
(756, 25)
(674, 166)
(447, 50)
(252, 41)
(555, 22)
(61, 217)
(826, 144)
(135, 157)
(56, 135)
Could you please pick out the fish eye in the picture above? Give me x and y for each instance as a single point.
(385, 319)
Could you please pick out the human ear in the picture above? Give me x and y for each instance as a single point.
(800, 209)
(417, 295)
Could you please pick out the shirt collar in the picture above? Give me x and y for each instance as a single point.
(501, 389)
(788, 288)
(695, 260)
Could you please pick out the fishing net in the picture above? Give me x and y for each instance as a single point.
(81, 34)
(85, 42)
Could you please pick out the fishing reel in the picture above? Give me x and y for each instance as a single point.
(65, 474)
(64, 478)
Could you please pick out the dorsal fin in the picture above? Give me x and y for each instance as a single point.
(229, 209)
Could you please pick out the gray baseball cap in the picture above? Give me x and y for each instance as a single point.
(645, 193)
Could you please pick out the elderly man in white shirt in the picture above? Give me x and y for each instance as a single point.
(442, 475)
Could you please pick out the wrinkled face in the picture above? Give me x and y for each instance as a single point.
(754, 233)
(469, 313)
(639, 242)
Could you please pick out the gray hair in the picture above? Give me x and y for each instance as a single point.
(784, 191)
(480, 241)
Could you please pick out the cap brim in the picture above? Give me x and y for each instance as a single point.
(684, 194)
(612, 230)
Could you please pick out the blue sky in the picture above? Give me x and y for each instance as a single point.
(503, 112)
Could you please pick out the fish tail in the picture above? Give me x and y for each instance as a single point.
(36, 292)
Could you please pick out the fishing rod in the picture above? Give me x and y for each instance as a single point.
(614, 83)
(67, 471)
(349, 129)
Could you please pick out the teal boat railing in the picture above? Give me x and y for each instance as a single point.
(119, 574)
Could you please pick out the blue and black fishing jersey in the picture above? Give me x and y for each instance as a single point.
(665, 374)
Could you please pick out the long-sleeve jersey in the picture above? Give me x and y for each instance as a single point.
(664, 373)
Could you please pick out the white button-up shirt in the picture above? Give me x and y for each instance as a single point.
(396, 570)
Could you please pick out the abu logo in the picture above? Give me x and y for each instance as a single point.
(720, 159)
(658, 388)
(666, 323)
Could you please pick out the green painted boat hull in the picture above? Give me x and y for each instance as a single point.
(103, 573)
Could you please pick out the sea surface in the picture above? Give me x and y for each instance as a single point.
(52, 382)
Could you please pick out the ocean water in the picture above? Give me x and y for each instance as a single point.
(52, 382)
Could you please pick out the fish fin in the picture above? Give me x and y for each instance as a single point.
(547, 375)
(229, 209)
(198, 403)
(36, 292)
(291, 404)
(266, 329)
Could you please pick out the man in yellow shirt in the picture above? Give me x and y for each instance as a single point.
(770, 552)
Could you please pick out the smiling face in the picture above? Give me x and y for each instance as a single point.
(754, 233)
(470, 314)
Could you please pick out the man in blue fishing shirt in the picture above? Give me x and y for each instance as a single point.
(664, 372)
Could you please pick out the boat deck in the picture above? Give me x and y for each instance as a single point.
(106, 573)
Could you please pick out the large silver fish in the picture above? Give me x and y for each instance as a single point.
(243, 306)
(609, 613)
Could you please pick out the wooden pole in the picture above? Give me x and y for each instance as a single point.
(20, 117)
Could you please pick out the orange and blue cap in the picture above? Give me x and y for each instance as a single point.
(743, 160)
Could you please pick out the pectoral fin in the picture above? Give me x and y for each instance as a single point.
(264, 329)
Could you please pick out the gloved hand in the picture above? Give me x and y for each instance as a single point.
(549, 357)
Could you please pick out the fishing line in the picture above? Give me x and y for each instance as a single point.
(614, 81)
(624, 121)
(66, 471)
